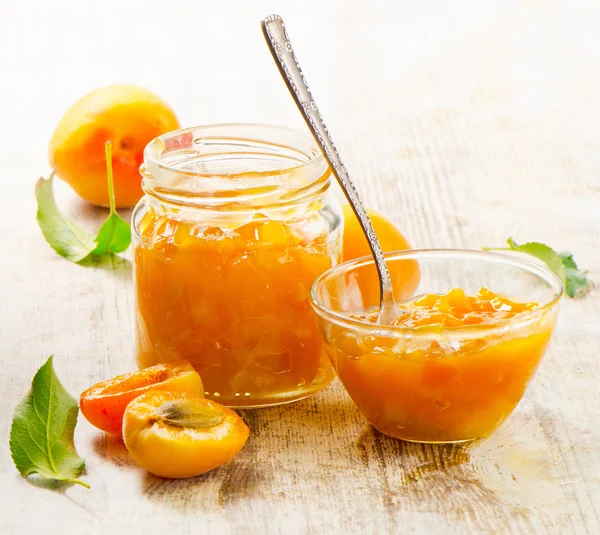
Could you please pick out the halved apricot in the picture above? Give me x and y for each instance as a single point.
(104, 403)
(176, 435)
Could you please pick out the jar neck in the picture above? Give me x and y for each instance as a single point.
(234, 168)
(262, 198)
(233, 214)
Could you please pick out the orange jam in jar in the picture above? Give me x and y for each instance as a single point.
(452, 366)
(236, 224)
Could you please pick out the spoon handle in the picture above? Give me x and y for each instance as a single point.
(283, 54)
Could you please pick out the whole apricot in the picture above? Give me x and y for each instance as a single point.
(405, 275)
(126, 115)
(356, 244)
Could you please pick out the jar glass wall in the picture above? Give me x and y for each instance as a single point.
(236, 224)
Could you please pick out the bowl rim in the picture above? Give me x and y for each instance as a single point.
(516, 259)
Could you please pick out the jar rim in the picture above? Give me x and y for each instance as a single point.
(234, 166)
(154, 148)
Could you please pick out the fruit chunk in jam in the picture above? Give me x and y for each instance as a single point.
(441, 386)
(234, 303)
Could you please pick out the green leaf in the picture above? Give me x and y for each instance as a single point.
(114, 236)
(68, 239)
(544, 253)
(576, 280)
(563, 264)
(41, 436)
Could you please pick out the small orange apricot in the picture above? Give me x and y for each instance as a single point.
(405, 275)
(177, 435)
(104, 404)
(355, 243)
(126, 115)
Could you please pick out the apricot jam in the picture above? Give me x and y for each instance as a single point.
(446, 389)
(223, 270)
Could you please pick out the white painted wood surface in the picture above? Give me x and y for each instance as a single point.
(465, 122)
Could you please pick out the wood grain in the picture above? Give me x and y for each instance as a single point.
(465, 122)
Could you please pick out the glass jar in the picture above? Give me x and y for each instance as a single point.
(236, 223)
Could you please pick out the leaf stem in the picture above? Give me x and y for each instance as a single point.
(76, 482)
(109, 173)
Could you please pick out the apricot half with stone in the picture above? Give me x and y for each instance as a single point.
(177, 435)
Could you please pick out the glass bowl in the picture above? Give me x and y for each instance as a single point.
(436, 384)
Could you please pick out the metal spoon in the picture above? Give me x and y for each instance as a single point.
(283, 54)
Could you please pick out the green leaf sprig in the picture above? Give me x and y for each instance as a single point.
(41, 435)
(563, 264)
(67, 238)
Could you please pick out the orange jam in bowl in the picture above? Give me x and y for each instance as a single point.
(236, 224)
(457, 360)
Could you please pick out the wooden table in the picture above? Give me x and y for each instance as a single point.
(465, 122)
